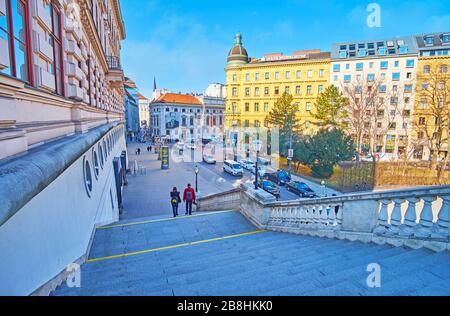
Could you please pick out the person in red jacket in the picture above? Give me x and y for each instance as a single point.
(189, 198)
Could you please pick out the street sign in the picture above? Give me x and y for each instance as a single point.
(291, 154)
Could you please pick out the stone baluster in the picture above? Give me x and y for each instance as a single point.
(309, 216)
(396, 218)
(426, 219)
(316, 217)
(298, 218)
(407, 230)
(290, 217)
(332, 216)
(383, 220)
(340, 215)
(324, 217)
(443, 224)
(303, 215)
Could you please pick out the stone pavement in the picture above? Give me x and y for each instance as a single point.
(222, 254)
(148, 195)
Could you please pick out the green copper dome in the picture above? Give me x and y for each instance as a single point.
(238, 54)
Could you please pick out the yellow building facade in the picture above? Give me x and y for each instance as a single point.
(432, 99)
(254, 85)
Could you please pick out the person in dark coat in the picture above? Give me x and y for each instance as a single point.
(175, 200)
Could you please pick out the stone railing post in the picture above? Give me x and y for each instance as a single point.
(396, 218)
(443, 224)
(383, 220)
(407, 230)
(426, 219)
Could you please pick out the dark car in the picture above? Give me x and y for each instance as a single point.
(270, 187)
(301, 189)
(280, 177)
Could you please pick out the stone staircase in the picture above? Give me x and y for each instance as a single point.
(222, 254)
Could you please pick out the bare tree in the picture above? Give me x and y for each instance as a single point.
(370, 112)
(433, 116)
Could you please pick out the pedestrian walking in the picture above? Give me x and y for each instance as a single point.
(175, 200)
(189, 198)
(139, 151)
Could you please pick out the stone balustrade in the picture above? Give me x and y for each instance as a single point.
(413, 217)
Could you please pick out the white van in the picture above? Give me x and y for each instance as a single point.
(233, 168)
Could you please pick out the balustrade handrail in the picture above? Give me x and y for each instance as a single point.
(381, 195)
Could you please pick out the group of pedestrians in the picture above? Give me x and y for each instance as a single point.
(189, 197)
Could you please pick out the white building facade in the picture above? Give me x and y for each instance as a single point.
(390, 67)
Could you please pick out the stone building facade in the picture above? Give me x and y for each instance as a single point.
(62, 136)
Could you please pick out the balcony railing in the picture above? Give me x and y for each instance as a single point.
(113, 63)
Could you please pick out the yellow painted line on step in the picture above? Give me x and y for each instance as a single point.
(162, 220)
(175, 246)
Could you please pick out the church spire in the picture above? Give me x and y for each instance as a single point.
(154, 84)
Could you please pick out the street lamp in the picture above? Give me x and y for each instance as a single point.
(257, 146)
(323, 188)
(196, 178)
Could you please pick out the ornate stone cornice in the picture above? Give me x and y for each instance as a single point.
(118, 18)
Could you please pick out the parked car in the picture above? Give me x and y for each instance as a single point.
(209, 159)
(247, 164)
(301, 189)
(280, 177)
(261, 171)
(264, 162)
(233, 168)
(270, 187)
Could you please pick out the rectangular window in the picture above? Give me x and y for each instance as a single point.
(336, 67)
(410, 63)
(371, 77)
(343, 54)
(266, 107)
(321, 73)
(310, 73)
(56, 42)
(257, 91)
(247, 92)
(288, 75)
(347, 78)
(14, 29)
(287, 90)
(308, 107)
(257, 76)
(408, 88)
(320, 90)
(247, 107)
(384, 65)
(277, 75)
(247, 77)
(403, 50)
(234, 77)
(299, 74)
(266, 91)
(396, 76)
(256, 107)
(234, 92)
(309, 90)
(382, 89)
(277, 90)
(267, 75)
(359, 66)
(297, 90)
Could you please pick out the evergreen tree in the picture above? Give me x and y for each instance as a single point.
(329, 108)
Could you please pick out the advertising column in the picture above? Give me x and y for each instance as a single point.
(165, 158)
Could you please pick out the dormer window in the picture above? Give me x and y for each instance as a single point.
(390, 44)
(382, 51)
(362, 53)
(428, 40)
(445, 39)
(403, 50)
(343, 54)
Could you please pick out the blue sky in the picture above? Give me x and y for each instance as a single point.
(185, 43)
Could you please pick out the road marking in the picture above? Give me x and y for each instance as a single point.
(176, 246)
(162, 220)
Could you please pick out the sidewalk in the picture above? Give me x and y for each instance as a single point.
(148, 195)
